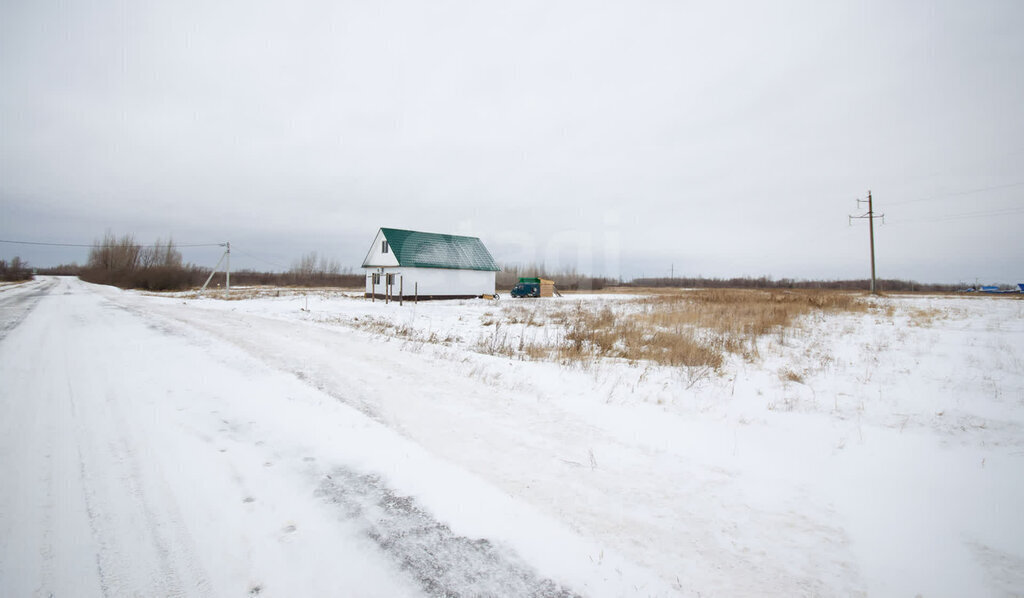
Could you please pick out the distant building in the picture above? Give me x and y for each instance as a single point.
(411, 264)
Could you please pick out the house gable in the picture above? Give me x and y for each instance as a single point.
(377, 257)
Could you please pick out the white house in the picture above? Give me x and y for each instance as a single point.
(410, 264)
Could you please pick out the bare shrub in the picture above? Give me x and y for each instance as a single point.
(15, 271)
(72, 269)
(114, 255)
(124, 263)
(160, 255)
(314, 270)
(162, 278)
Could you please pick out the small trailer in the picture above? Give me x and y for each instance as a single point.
(534, 287)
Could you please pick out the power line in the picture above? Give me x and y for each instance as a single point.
(98, 245)
(965, 216)
(958, 193)
(257, 258)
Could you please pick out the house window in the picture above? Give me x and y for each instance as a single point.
(376, 278)
(384, 246)
(391, 279)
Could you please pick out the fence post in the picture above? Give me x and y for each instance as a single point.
(401, 290)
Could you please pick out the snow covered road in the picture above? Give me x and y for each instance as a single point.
(18, 300)
(138, 459)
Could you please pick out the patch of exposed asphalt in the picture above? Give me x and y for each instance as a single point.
(443, 563)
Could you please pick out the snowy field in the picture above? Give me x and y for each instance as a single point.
(318, 444)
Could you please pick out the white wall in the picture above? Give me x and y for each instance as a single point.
(436, 281)
(375, 257)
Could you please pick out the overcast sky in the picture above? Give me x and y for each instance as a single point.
(624, 138)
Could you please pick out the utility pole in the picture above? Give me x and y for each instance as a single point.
(870, 216)
(227, 271)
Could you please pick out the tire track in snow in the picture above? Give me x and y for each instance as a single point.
(117, 490)
(46, 548)
(442, 562)
(223, 327)
(17, 302)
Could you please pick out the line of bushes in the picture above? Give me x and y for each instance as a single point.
(764, 282)
(567, 279)
(124, 263)
(15, 271)
(298, 279)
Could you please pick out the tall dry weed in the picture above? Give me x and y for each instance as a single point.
(743, 312)
(691, 329)
(605, 333)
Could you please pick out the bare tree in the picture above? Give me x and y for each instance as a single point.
(312, 268)
(160, 255)
(113, 254)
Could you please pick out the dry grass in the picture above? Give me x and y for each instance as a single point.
(924, 317)
(243, 293)
(496, 342)
(741, 312)
(691, 329)
(789, 375)
(384, 327)
(606, 333)
(518, 314)
(697, 328)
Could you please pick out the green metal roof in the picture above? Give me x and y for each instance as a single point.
(414, 249)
